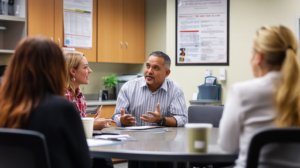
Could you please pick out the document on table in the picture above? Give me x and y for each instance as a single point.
(137, 127)
(116, 137)
(78, 23)
(95, 142)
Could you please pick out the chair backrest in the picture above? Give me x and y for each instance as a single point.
(205, 114)
(23, 148)
(267, 136)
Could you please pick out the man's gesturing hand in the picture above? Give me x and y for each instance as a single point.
(156, 116)
(126, 119)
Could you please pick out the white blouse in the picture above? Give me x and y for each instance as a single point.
(249, 108)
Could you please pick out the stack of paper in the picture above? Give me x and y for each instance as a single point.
(157, 129)
(137, 127)
(116, 137)
(95, 142)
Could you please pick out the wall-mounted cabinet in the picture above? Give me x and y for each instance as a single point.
(13, 28)
(121, 31)
(118, 28)
(45, 18)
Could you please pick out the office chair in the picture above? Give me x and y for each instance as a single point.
(267, 136)
(205, 114)
(23, 148)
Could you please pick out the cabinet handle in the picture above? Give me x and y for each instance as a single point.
(126, 45)
(121, 44)
(51, 38)
(58, 41)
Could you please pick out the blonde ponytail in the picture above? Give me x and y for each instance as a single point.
(280, 49)
(287, 93)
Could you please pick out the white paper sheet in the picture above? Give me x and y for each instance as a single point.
(137, 127)
(112, 136)
(95, 142)
(124, 137)
(78, 23)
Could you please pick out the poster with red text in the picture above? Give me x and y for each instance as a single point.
(202, 32)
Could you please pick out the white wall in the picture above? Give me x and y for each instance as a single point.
(246, 16)
(155, 31)
(100, 70)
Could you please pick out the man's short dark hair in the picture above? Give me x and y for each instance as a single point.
(167, 60)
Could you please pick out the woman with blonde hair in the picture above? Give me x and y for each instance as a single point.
(32, 97)
(272, 99)
(78, 72)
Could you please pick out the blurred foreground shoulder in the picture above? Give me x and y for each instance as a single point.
(56, 106)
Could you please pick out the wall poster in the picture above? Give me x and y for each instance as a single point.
(202, 32)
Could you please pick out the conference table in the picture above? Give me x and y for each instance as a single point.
(168, 144)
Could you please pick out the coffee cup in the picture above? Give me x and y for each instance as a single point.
(88, 124)
(198, 136)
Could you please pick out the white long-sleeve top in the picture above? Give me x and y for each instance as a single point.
(249, 108)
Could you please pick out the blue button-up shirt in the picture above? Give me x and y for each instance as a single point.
(136, 99)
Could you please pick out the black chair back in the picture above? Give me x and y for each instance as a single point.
(270, 135)
(205, 114)
(23, 148)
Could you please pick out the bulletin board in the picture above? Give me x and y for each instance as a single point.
(202, 32)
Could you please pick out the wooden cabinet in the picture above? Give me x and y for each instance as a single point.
(106, 112)
(45, 18)
(40, 18)
(134, 31)
(110, 31)
(118, 28)
(121, 31)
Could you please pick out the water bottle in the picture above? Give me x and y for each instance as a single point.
(100, 95)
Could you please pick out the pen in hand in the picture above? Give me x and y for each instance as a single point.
(105, 122)
(98, 112)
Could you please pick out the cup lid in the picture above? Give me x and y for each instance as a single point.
(88, 119)
(198, 125)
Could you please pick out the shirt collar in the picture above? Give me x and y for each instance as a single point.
(143, 82)
(163, 86)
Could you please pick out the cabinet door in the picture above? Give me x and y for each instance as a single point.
(134, 31)
(59, 23)
(106, 112)
(40, 18)
(110, 31)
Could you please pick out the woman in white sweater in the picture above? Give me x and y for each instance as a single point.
(272, 99)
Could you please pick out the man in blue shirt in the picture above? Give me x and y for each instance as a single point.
(152, 100)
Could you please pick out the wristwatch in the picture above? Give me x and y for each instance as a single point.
(163, 121)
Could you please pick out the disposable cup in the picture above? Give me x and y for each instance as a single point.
(198, 136)
(88, 123)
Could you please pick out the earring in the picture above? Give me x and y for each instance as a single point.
(74, 78)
